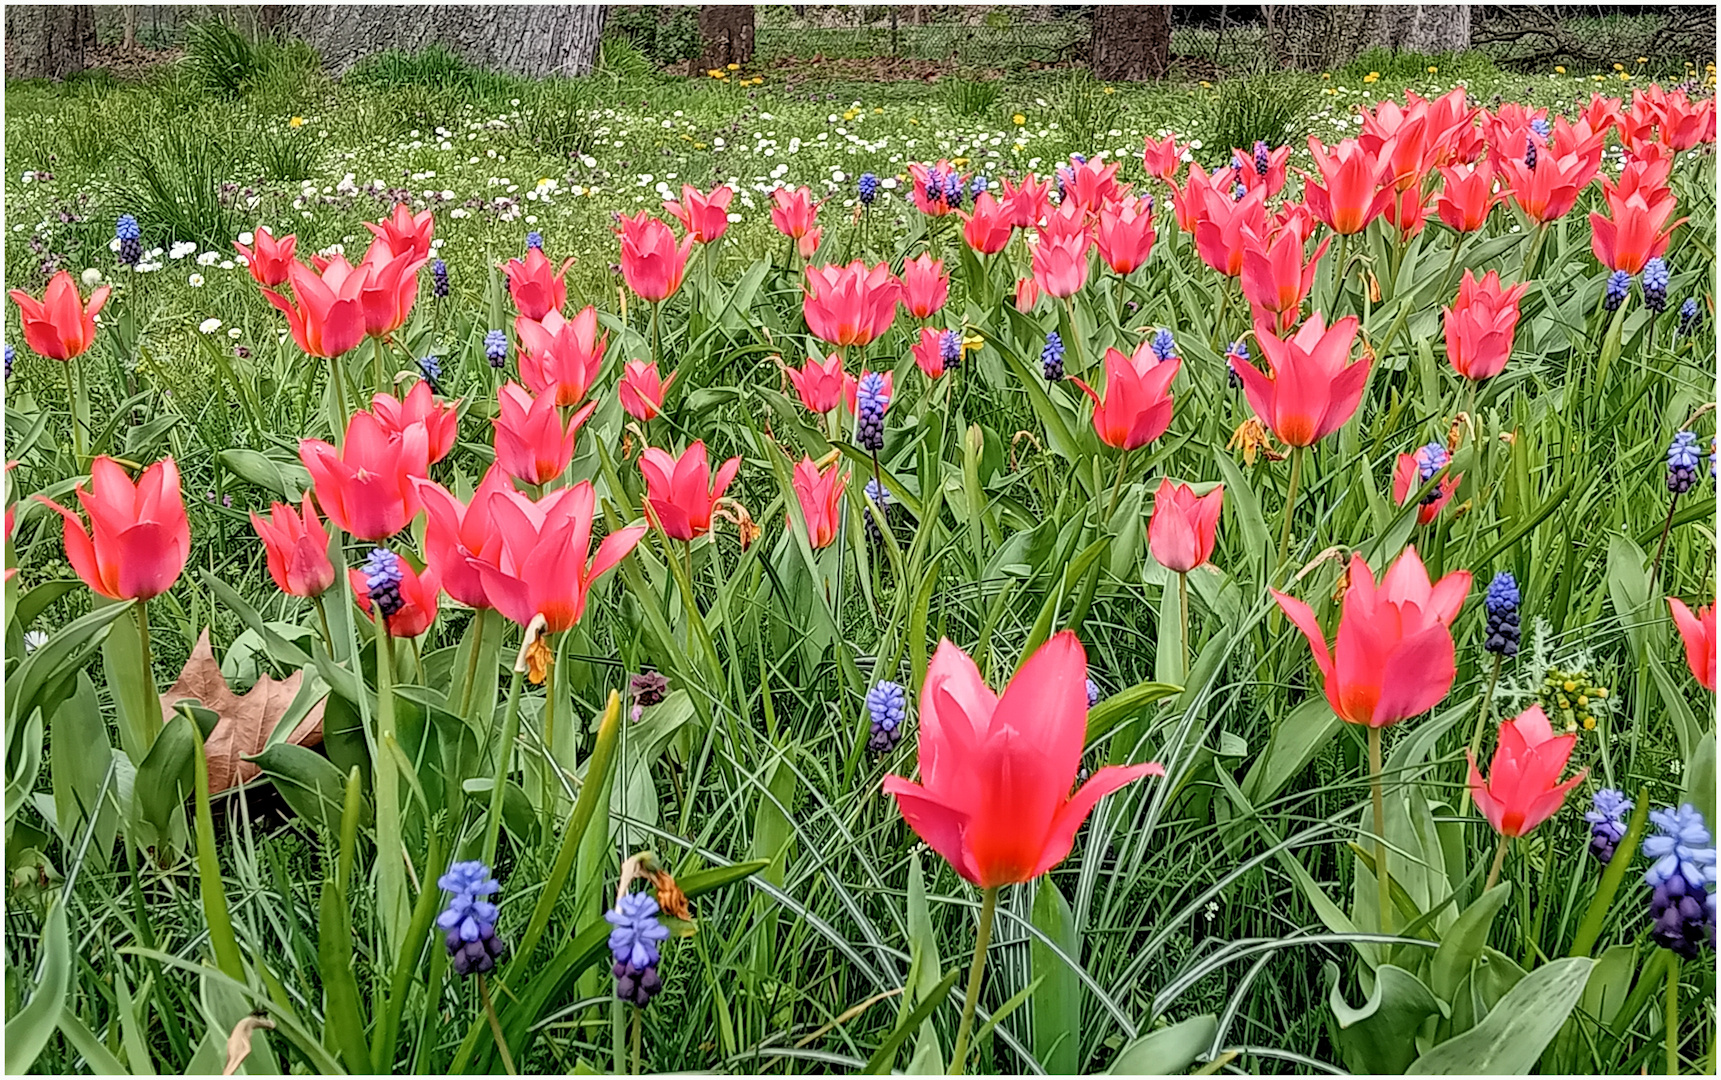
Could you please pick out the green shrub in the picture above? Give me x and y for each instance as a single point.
(620, 58)
(554, 119)
(173, 188)
(662, 35)
(221, 60)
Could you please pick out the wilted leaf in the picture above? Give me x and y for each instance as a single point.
(239, 1042)
(246, 722)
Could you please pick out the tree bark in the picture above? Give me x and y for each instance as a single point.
(1131, 42)
(48, 41)
(726, 31)
(1317, 37)
(524, 39)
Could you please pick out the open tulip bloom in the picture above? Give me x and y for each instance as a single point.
(681, 492)
(60, 326)
(1523, 787)
(139, 536)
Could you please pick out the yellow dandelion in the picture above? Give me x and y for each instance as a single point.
(1619, 67)
(714, 73)
(699, 146)
(1559, 69)
(1643, 59)
(1207, 84)
(876, 109)
(1373, 76)
(734, 67)
(1018, 119)
(297, 121)
(1433, 68)
(1625, 76)
(1021, 146)
(1110, 90)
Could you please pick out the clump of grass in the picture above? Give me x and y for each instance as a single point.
(970, 97)
(220, 59)
(620, 58)
(1079, 108)
(174, 188)
(1271, 108)
(554, 120)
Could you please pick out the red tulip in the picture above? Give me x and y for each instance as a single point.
(560, 356)
(1027, 294)
(1393, 657)
(935, 204)
(1355, 184)
(418, 593)
(1275, 278)
(928, 351)
(540, 567)
(1601, 113)
(680, 493)
(1163, 159)
(59, 326)
(1027, 202)
(996, 772)
(850, 305)
(925, 286)
(1403, 137)
(1184, 526)
(1125, 236)
(1480, 325)
(1251, 177)
(268, 259)
(366, 487)
(1548, 191)
(1466, 197)
(793, 211)
(1137, 405)
(1313, 388)
(1508, 127)
(1407, 481)
(820, 383)
(537, 287)
(329, 318)
(1646, 173)
(989, 227)
(387, 285)
(1682, 124)
(441, 419)
(1060, 260)
(1092, 185)
(1188, 202)
(1523, 788)
(1293, 217)
(1632, 234)
(642, 390)
(297, 549)
(138, 537)
(820, 495)
(1407, 212)
(1226, 224)
(457, 534)
(1698, 633)
(705, 217)
(404, 233)
(532, 443)
(652, 263)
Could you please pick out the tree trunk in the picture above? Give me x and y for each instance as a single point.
(128, 41)
(726, 34)
(1131, 42)
(1318, 37)
(48, 41)
(524, 39)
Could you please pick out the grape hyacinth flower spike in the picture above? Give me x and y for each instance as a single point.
(1618, 285)
(887, 707)
(868, 188)
(1052, 357)
(1682, 904)
(1239, 350)
(872, 398)
(1682, 459)
(1688, 315)
(634, 947)
(496, 348)
(1501, 603)
(439, 279)
(1607, 822)
(468, 922)
(1093, 693)
(129, 240)
(1655, 280)
(879, 496)
(950, 349)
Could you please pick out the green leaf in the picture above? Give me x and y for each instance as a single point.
(343, 1009)
(164, 779)
(309, 782)
(1610, 982)
(48, 671)
(1240, 498)
(1058, 1001)
(29, 1030)
(1296, 741)
(1700, 776)
(881, 1058)
(1168, 1051)
(1124, 704)
(283, 479)
(1380, 1037)
(1463, 942)
(1511, 1038)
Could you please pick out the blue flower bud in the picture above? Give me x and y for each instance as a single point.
(887, 708)
(1682, 458)
(1655, 280)
(535, 239)
(868, 188)
(439, 279)
(872, 398)
(1618, 287)
(1164, 346)
(1607, 822)
(634, 947)
(1688, 313)
(468, 923)
(1052, 357)
(950, 349)
(1501, 604)
(382, 581)
(496, 348)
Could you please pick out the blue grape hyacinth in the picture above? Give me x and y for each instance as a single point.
(496, 348)
(953, 190)
(1239, 350)
(431, 368)
(950, 349)
(1093, 693)
(1655, 280)
(1682, 876)
(634, 947)
(1607, 822)
(880, 496)
(468, 923)
(1261, 159)
(535, 239)
(887, 707)
(1682, 458)
(1501, 603)
(439, 279)
(872, 398)
(130, 238)
(868, 188)
(1529, 152)
(1618, 287)
(977, 185)
(1431, 459)
(1688, 314)
(382, 581)
(11, 354)
(1164, 346)
(1052, 357)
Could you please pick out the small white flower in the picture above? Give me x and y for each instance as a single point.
(34, 639)
(235, 333)
(210, 325)
(195, 281)
(91, 277)
(182, 248)
(247, 239)
(208, 258)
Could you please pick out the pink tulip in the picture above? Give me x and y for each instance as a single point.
(268, 259)
(850, 305)
(793, 211)
(820, 496)
(1698, 633)
(441, 419)
(642, 390)
(1092, 185)
(418, 592)
(1313, 388)
(989, 228)
(1027, 294)
(1523, 789)
(1632, 233)
(1137, 405)
(705, 217)
(1027, 202)
(139, 536)
(532, 443)
(1548, 191)
(1125, 236)
(457, 534)
(329, 317)
(681, 493)
(404, 233)
(652, 263)
(1480, 326)
(1227, 225)
(928, 351)
(820, 383)
(924, 179)
(536, 285)
(1407, 480)
(1060, 258)
(1184, 526)
(540, 565)
(559, 356)
(1275, 278)
(1466, 196)
(59, 326)
(366, 487)
(925, 286)
(1163, 159)
(1355, 185)
(296, 548)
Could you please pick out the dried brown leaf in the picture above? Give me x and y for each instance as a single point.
(239, 1042)
(246, 721)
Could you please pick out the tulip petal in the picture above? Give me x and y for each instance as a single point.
(1062, 834)
(941, 826)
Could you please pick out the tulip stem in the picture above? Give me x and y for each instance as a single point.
(339, 423)
(1672, 1014)
(988, 909)
(1290, 505)
(152, 710)
(656, 340)
(1075, 336)
(1376, 777)
(1117, 485)
(1499, 861)
(635, 1040)
(1183, 615)
(391, 885)
(504, 755)
(1661, 548)
(1481, 725)
(72, 408)
(378, 370)
(323, 620)
(495, 1027)
(1446, 274)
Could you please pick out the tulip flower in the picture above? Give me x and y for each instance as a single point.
(850, 305)
(441, 419)
(456, 535)
(1408, 478)
(1403, 137)
(1466, 197)
(1407, 212)
(329, 317)
(418, 592)
(1548, 191)
(268, 259)
(925, 286)
(1184, 526)
(540, 566)
(404, 233)
(1163, 159)
(532, 443)
(296, 547)
(820, 495)
(1313, 388)
(1227, 225)
(989, 228)
(60, 326)
(820, 383)
(793, 211)
(1698, 633)
(1601, 113)
(652, 263)
(1523, 789)
(387, 285)
(537, 287)
(1480, 325)
(1125, 236)
(1093, 185)
(680, 493)
(928, 351)
(1060, 262)
(705, 217)
(1632, 233)
(1027, 294)
(1188, 202)
(930, 187)
(1646, 173)
(139, 536)
(1262, 168)
(1137, 405)
(1275, 278)
(642, 390)
(1682, 124)
(1355, 185)
(366, 487)
(1027, 202)
(1292, 218)
(560, 356)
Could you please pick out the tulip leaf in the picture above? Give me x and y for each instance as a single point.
(309, 783)
(1168, 1051)
(1463, 941)
(1610, 982)
(881, 1058)
(284, 480)
(1297, 740)
(1700, 776)
(1058, 999)
(46, 674)
(1380, 1036)
(30, 1028)
(1511, 1038)
(1118, 707)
